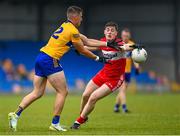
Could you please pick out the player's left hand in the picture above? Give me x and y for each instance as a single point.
(102, 60)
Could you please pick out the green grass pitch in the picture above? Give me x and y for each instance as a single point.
(151, 114)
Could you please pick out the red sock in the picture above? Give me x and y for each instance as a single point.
(80, 120)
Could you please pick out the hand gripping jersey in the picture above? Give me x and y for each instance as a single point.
(111, 74)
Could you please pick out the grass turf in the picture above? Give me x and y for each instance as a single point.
(151, 114)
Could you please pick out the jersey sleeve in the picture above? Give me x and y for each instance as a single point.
(75, 36)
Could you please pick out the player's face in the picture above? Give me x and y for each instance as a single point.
(110, 33)
(78, 19)
(125, 36)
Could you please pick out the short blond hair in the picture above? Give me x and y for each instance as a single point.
(74, 10)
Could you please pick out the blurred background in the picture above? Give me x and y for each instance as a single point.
(26, 25)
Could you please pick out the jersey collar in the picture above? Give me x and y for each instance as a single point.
(69, 21)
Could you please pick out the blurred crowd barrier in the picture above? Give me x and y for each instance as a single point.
(17, 79)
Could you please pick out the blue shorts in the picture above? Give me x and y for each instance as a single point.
(46, 65)
(127, 77)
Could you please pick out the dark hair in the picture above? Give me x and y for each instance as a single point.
(74, 9)
(126, 30)
(111, 23)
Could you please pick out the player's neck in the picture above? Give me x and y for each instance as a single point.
(108, 40)
(69, 20)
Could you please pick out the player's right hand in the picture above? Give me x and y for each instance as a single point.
(137, 46)
(114, 44)
(102, 60)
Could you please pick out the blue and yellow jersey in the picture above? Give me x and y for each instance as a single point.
(61, 40)
(128, 59)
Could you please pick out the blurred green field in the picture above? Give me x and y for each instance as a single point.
(151, 114)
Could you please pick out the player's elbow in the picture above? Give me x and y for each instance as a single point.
(85, 40)
(88, 42)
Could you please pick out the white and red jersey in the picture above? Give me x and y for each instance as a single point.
(111, 74)
(117, 60)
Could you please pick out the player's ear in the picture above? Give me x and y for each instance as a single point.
(116, 33)
(104, 31)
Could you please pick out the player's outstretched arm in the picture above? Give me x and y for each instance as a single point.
(136, 46)
(92, 42)
(98, 43)
(79, 46)
(130, 47)
(85, 42)
(91, 48)
(127, 47)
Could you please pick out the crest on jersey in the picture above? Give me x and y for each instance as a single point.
(76, 35)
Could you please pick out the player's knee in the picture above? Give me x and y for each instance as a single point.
(93, 98)
(63, 92)
(37, 95)
(85, 96)
(66, 93)
(122, 92)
